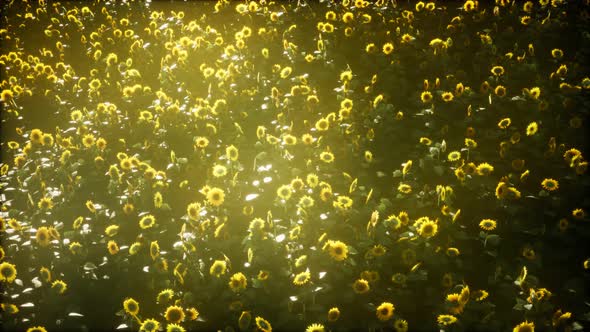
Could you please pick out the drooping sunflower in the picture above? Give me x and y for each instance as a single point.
(131, 306)
(174, 314)
(385, 311)
(7, 272)
(215, 196)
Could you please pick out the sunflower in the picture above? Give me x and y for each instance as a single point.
(88, 140)
(36, 329)
(45, 203)
(158, 200)
(165, 296)
(426, 96)
(218, 268)
(36, 136)
(307, 139)
(215, 196)
(322, 124)
(484, 169)
(111, 230)
(327, 157)
(289, 139)
(550, 184)
(387, 48)
(7, 272)
(174, 328)
(578, 214)
(385, 311)
(263, 324)
(487, 224)
(344, 202)
(426, 141)
(174, 314)
(238, 282)
(378, 250)
(399, 279)
(193, 210)
(219, 171)
(301, 278)
(338, 250)
(333, 314)
(201, 142)
(45, 274)
(404, 188)
(315, 328)
(42, 236)
(134, 248)
(532, 128)
(454, 156)
(244, 320)
(113, 247)
(447, 96)
(361, 286)
(306, 201)
(500, 91)
(131, 306)
(284, 191)
(524, 327)
(149, 325)
(128, 208)
(497, 70)
(147, 221)
(428, 229)
(59, 286)
(192, 314)
(446, 319)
